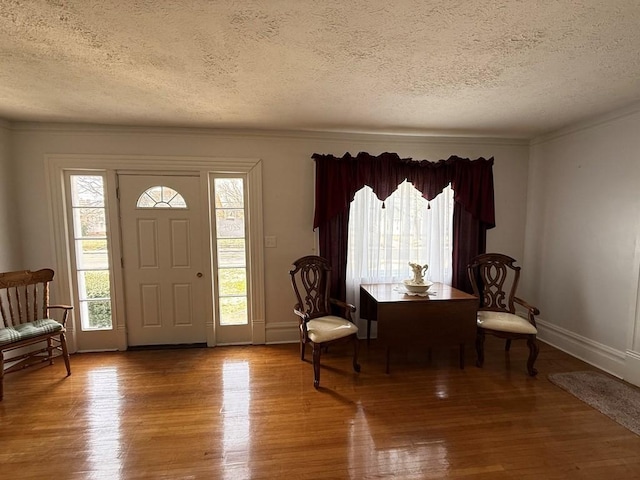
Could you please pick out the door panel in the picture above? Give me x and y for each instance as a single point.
(162, 258)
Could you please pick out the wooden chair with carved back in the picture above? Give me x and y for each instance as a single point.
(494, 278)
(25, 321)
(319, 326)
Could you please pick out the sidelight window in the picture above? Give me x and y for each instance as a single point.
(231, 249)
(90, 247)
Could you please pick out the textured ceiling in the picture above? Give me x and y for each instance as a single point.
(515, 68)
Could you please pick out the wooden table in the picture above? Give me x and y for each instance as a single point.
(446, 317)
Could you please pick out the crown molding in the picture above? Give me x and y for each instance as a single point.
(318, 135)
(592, 122)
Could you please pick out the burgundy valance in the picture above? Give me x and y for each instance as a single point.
(338, 180)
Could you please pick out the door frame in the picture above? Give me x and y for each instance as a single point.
(55, 167)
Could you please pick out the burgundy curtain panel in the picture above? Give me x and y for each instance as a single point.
(339, 178)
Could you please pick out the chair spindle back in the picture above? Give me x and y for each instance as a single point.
(494, 278)
(24, 296)
(310, 279)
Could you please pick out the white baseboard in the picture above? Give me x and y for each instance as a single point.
(281, 332)
(605, 358)
(632, 368)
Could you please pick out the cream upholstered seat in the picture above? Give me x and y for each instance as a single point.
(319, 325)
(326, 329)
(505, 322)
(494, 278)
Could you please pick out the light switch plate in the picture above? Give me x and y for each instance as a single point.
(270, 242)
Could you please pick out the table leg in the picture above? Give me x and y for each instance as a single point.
(462, 356)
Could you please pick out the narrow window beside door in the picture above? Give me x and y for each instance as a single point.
(91, 248)
(231, 251)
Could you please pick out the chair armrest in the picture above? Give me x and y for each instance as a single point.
(533, 311)
(347, 307)
(66, 308)
(303, 316)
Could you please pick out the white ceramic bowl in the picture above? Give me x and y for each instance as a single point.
(416, 288)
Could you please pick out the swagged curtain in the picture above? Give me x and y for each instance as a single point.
(338, 179)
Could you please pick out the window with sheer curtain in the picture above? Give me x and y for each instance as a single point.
(385, 236)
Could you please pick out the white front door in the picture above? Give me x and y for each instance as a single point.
(163, 264)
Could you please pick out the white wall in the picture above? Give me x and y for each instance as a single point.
(288, 184)
(582, 237)
(10, 252)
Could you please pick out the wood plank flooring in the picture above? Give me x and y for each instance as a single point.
(252, 412)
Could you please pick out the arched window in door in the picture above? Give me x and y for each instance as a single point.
(161, 197)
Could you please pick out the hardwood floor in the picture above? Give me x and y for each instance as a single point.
(252, 412)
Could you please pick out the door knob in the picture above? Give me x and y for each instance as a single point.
(199, 274)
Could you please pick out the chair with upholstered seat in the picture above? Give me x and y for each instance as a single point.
(319, 325)
(494, 278)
